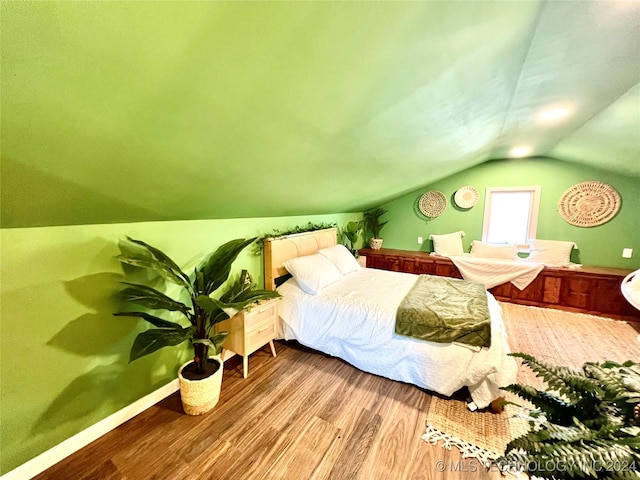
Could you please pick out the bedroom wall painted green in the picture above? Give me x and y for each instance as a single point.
(601, 245)
(63, 355)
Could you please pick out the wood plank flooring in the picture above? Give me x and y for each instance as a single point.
(302, 415)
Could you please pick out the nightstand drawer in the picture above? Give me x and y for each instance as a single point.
(261, 336)
(250, 330)
(259, 315)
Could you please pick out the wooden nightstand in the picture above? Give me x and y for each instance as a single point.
(250, 330)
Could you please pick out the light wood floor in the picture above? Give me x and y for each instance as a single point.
(301, 415)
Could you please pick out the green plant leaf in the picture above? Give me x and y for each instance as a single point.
(571, 383)
(210, 305)
(205, 341)
(248, 296)
(151, 340)
(556, 408)
(603, 429)
(218, 266)
(151, 298)
(157, 321)
(242, 283)
(372, 221)
(243, 289)
(217, 317)
(213, 306)
(217, 340)
(153, 258)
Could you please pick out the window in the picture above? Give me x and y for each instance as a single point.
(511, 214)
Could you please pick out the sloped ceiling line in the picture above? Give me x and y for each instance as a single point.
(525, 56)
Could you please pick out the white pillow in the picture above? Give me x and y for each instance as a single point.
(313, 272)
(448, 244)
(487, 250)
(341, 258)
(553, 253)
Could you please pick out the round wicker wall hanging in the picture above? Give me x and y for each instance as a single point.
(466, 197)
(432, 203)
(589, 204)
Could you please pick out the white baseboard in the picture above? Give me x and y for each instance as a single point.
(52, 456)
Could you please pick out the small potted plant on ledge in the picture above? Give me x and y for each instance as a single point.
(200, 378)
(350, 235)
(373, 224)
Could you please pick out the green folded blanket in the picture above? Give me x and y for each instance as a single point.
(445, 310)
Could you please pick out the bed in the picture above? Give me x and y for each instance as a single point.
(353, 318)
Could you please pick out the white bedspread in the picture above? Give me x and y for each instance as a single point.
(354, 319)
(493, 272)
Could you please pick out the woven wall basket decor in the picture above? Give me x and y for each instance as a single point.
(589, 204)
(432, 203)
(466, 197)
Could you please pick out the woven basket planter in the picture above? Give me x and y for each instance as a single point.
(200, 396)
(375, 243)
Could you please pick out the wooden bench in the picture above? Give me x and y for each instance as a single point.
(593, 290)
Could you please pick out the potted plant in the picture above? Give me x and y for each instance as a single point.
(350, 234)
(201, 377)
(373, 224)
(586, 426)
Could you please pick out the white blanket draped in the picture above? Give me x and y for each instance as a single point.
(354, 319)
(493, 272)
(631, 288)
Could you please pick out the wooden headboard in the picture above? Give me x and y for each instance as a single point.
(279, 250)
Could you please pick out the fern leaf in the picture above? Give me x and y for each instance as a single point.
(609, 378)
(555, 408)
(571, 383)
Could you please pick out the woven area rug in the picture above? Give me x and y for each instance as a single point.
(555, 336)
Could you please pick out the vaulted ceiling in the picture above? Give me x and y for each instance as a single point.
(132, 111)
